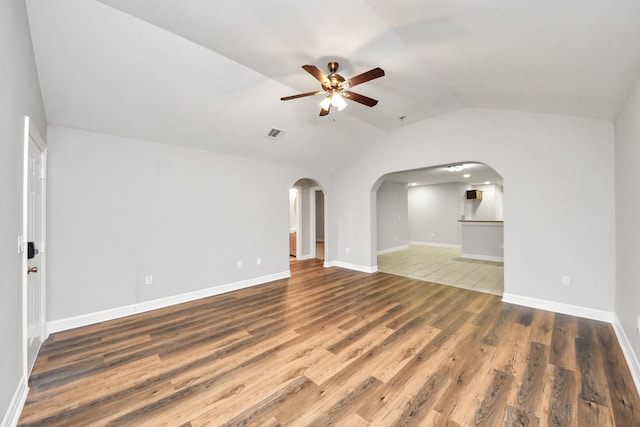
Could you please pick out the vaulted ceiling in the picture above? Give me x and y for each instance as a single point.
(210, 74)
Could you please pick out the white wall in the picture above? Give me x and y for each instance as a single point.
(19, 96)
(627, 160)
(557, 223)
(391, 216)
(122, 208)
(434, 211)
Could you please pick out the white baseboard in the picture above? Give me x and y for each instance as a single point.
(630, 356)
(17, 403)
(304, 257)
(116, 313)
(435, 245)
(482, 257)
(558, 307)
(394, 249)
(356, 267)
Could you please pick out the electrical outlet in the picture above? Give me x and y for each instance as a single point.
(566, 281)
(148, 279)
(239, 264)
(347, 250)
(638, 324)
(259, 261)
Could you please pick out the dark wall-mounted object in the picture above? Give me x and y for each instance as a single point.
(474, 194)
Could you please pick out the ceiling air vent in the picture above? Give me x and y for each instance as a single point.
(275, 134)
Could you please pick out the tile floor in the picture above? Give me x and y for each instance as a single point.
(444, 266)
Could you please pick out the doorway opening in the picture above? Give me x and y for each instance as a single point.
(442, 224)
(307, 222)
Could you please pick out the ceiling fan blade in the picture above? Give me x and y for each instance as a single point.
(302, 95)
(364, 77)
(315, 72)
(369, 102)
(324, 112)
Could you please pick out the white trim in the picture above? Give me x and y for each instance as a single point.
(32, 133)
(298, 203)
(627, 350)
(312, 220)
(25, 222)
(12, 415)
(356, 267)
(394, 249)
(304, 257)
(115, 313)
(558, 307)
(483, 257)
(435, 245)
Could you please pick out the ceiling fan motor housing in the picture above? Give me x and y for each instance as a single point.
(334, 79)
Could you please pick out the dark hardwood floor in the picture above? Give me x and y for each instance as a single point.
(336, 347)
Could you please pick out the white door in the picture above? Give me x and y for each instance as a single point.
(34, 250)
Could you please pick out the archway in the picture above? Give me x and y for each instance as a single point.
(442, 224)
(307, 220)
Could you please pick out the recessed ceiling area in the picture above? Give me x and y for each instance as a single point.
(472, 173)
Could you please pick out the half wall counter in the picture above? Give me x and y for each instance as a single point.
(482, 239)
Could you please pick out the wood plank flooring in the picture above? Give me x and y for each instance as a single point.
(336, 347)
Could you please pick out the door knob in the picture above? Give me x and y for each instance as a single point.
(32, 270)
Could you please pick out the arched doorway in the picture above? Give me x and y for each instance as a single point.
(307, 220)
(442, 224)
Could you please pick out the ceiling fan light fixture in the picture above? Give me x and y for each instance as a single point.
(338, 101)
(333, 100)
(326, 103)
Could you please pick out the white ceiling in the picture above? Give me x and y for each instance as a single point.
(210, 74)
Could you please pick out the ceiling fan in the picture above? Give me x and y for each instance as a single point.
(336, 87)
